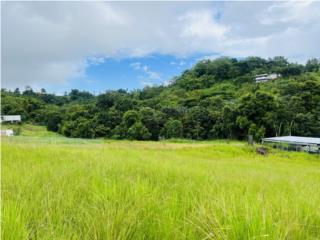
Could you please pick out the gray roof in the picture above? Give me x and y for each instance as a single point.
(293, 139)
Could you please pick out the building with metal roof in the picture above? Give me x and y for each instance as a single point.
(10, 118)
(308, 144)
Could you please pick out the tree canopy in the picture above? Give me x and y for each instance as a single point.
(214, 99)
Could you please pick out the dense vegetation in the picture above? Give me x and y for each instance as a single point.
(62, 188)
(214, 99)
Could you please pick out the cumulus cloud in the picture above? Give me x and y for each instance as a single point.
(267, 29)
(51, 42)
(201, 24)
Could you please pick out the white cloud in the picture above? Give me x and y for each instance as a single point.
(267, 29)
(151, 74)
(95, 60)
(136, 65)
(201, 24)
(178, 63)
(290, 11)
(148, 76)
(51, 42)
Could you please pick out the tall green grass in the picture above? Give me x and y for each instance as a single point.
(156, 190)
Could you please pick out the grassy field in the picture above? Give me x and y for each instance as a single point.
(58, 188)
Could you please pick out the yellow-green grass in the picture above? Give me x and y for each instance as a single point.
(82, 189)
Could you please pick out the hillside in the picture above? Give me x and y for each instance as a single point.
(215, 99)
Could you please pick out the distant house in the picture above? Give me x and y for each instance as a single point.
(266, 77)
(293, 143)
(7, 132)
(11, 118)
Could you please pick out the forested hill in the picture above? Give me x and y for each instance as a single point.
(214, 99)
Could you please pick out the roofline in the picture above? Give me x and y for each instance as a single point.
(286, 141)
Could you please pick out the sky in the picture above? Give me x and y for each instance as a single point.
(96, 46)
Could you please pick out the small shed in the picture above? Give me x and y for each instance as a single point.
(11, 118)
(294, 143)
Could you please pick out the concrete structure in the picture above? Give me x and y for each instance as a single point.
(11, 118)
(266, 77)
(7, 132)
(293, 143)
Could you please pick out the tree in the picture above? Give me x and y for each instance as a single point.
(153, 120)
(138, 132)
(196, 123)
(77, 95)
(131, 117)
(28, 91)
(313, 65)
(17, 91)
(54, 119)
(291, 70)
(256, 110)
(109, 119)
(172, 129)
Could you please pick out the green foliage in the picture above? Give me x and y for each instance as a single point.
(214, 99)
(130, 118)
(138, 131)
(76, 95)
(172, 129)
(153, 120)
(53, 119)
(313, 65)
(196, 122)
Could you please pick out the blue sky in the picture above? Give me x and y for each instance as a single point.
(129, 73)
(95, 46)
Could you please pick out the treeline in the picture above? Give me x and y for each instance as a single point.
(214, 99)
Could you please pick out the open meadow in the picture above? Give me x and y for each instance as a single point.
(59, 188)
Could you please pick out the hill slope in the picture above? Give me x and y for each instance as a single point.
(214, 99)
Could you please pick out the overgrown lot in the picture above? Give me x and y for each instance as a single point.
(56, 188)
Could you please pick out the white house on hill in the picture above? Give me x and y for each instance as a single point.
(266, 77)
